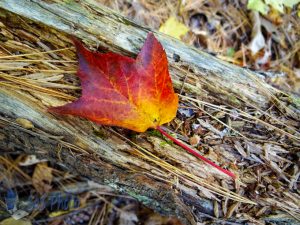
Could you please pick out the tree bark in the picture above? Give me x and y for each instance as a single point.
(99, 25)
(112, 160)
(86, 154)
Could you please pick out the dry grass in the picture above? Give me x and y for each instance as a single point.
(98, 203)
(224, 28)
(260, 146)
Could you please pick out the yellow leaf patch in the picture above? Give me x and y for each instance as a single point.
(174, 28)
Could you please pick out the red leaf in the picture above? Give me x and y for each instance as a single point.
(117, 90)
(136, 94)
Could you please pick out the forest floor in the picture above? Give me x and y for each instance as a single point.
(261, 147)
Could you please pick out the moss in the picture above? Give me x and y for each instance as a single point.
(234, 100)
(166, 142)
(154, 133)
(101, 134)
(295, 101)
(141, 198)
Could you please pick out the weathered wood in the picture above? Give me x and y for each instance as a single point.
(13, 137)
(89, 156)
(96, 24)
(111, 160)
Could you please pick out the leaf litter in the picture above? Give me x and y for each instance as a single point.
(263, 147)
(225, 27)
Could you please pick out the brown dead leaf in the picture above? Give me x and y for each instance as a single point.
(194, 140)
(42, 178)
(232, 209)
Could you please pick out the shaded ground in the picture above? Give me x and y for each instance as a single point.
(231, 32)
(262, 147)
(49, 194)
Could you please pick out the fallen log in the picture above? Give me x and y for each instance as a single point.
(110, 158)
(99, 25)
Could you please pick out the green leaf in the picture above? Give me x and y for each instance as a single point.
(230, 52)
(290, 3)
(261, 6)
(258, 5)
(276, 4)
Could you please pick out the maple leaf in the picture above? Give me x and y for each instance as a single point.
(117, 90)
(136, 94)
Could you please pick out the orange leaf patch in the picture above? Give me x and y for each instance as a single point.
(136, 94)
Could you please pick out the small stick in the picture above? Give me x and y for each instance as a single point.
(194, 153)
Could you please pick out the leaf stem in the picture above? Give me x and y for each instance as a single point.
(194, 153)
